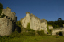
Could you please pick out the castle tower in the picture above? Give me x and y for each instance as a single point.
(7, 24)
(26, 20)
(27, 14)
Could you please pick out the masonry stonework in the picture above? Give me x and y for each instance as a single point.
(35, 22)
(54, 31)
(6, 23)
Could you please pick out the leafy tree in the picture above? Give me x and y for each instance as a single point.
(59, 19)
(1, 7)
(56, 24)
(18, 26)
(49, 31)
(18, 23)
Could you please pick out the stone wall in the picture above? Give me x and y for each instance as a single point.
(44, 25)
(35, 22)
(7, 24)
(5, 27)
(54, 31)
(26, 20)
(8, 13)
(50, 27)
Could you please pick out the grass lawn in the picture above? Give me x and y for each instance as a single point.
(34, 39)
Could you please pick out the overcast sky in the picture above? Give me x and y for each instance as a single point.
(50, 10)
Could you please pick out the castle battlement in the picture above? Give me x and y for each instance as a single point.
(27, 12)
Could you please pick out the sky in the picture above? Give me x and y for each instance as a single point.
(50, 10)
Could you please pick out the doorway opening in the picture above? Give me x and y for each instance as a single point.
(60, 33)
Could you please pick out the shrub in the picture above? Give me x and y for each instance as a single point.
(18, 23)
(15, 34)
(28, 26)
(29, 32)
(49, 31)
(41, 33)
(4, 38)
(18, 26)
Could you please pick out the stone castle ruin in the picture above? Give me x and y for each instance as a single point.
(60, 31)
(35, 22)
(56, 31)
(7, 23)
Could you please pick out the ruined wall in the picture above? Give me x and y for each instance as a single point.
(35, 22)
(50, 27)
(8, 22)
(44, 25)
(8, 13)
(5, 27)
(26, 20)
(13, 15)
(54, 31)
(32, 21)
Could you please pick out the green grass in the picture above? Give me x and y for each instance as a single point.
(34, 39)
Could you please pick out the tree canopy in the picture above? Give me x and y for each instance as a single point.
(56, 24)
(1, 7)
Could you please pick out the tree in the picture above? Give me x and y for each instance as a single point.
(18, 26)
(60, 22)
(59, 19)
(1, 7)
(18, 23)
(56, 24)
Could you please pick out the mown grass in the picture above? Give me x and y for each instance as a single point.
(33, 39)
